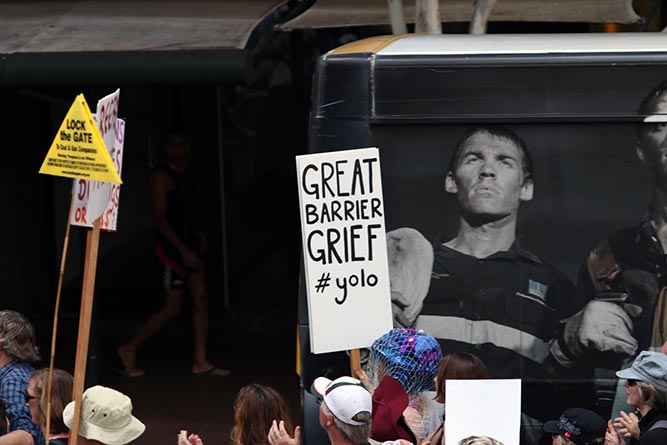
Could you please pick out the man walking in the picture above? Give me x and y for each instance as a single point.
(180, 245)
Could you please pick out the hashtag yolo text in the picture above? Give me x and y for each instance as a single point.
(344, 283)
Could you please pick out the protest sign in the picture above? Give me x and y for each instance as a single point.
(80, 216)
(78, 150)
(99, 193)
(344, 248)
(483, 408)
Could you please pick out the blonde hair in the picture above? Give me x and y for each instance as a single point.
(651, 396)
(480, 440)
(562, 440)
(17, 337)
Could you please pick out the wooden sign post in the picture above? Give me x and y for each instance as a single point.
(87, 296)
(355, 362)
(54, 331)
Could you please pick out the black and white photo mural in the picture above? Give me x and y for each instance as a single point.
(525, 195)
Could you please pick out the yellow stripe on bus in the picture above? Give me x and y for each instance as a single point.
(369, 45)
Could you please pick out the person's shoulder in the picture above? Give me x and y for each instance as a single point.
(524, 255)
(441, 248)
(443, 255)
(160, 169)
(556, 273)
(656, 436)
(16, 370)
(620, 236)
(624, 233)
(161, 173)
(541, 266)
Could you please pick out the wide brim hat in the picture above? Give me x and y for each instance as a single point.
(105, 417)
(389, 402)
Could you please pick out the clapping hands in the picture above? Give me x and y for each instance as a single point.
(627, 425)
(192, 439)
(278, 435)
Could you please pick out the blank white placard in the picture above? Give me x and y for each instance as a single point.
(483, 408)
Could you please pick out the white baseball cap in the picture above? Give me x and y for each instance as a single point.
(345, 397)
(106, 416)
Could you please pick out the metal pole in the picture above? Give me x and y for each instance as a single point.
(480, 16)
(428, 17)
(397, 18)
(223, 218)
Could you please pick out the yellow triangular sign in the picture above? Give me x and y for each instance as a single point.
(78, 150)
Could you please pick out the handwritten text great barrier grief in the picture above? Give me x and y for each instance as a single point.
(344, 245)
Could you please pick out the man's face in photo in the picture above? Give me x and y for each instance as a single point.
(652, 148)
(489, 179)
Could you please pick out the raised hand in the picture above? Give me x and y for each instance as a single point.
(628, 425)
(611, 436)
(278, 435)
(192, 439)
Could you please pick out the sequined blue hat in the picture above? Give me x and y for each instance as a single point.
(410, 356)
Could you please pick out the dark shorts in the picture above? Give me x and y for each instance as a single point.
(174, 275)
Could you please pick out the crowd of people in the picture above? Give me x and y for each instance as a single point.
(352, 412)
(34, 415)
(377, 408)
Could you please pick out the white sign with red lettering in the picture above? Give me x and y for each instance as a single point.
(99, 193)
(81, 189)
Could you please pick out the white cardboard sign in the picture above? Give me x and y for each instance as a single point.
(344, 248)
(483, 408)
(81, 189)
(106, 114)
